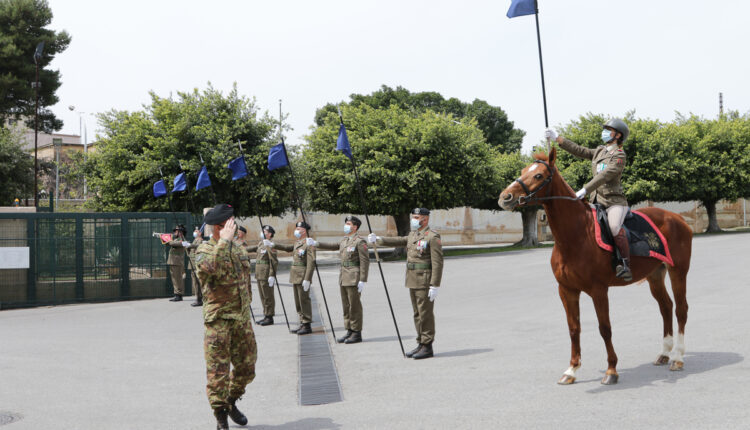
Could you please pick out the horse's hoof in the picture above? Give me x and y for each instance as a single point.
(566, 380)
(676, 366)
(610, 379)
(662, 360)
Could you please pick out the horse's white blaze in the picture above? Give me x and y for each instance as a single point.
(532, 168)
(572, 371)
(679, 348)
(668, 344)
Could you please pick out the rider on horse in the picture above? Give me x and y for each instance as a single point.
(607, 164)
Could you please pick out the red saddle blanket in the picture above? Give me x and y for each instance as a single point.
(645, 239)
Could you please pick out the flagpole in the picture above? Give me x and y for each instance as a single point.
(541, 68)
(375, 247)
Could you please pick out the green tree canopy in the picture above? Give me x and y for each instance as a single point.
(22, 27)
(492, 120)
(170, 132)
(16, 168)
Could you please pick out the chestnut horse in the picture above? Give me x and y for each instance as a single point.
(580, 265)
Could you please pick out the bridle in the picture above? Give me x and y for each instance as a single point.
(531, 195)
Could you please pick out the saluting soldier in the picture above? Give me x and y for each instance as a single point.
(266, 262)
(355, 264)
(424, 270)
(197, 240)
(176, 261)
(303, 266)
(224, 270)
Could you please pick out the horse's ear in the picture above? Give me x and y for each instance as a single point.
(552, 156)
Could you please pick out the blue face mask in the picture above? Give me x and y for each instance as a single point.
(297, 234)
(606, 136)
(347, 229)
(414, 224)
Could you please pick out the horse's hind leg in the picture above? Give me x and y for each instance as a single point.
(678, 278)
(659, 291)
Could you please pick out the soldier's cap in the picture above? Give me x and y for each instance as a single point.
(304, 225)
(354, 220)
(218, 214)
(242, 229)
(180, 227)
(421, 211)
(269, 228)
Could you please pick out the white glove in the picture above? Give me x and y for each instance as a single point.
(360, 286)
(268, 244)
(185, 244)
(550, 134)
(432, 294)
(306, 285)
(271, 281)
(581, 193)
(371, 238)
(311, 242)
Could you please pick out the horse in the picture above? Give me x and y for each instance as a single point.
(580, 265)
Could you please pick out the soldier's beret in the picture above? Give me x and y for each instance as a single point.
(354, 220)
(242, 229)
(219, 214)
(180, 227)
(421, 211)
(269, 228)
(304, 225)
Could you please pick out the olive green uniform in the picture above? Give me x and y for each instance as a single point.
(607, 167)
(303, 266)
(266, 262)
(355, 264)
(224, 270)
(191, 255)
(424, 268)
(176, 263)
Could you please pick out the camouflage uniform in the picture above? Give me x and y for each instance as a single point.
(229, 336)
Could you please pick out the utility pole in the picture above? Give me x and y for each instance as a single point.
(37, 59)
(721, 104)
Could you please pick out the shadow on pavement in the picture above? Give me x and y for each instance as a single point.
(463, 352)
(647, 374)
(380, 339)
(305, 423)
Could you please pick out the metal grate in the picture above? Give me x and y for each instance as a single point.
(318, 380)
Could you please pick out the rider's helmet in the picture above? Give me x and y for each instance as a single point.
(619, 125)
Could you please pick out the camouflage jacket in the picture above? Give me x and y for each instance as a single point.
(224, 274)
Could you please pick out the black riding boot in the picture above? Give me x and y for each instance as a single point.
(221, 419)
(622, 270)
(235, 414)
(345, 337)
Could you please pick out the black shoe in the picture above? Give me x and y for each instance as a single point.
(295, 330)
(414, 351)
(623, 271)
(221, 419)
(356, 337)
(235, 414)
(306, 329)
(266, 321)
(425, 352)
(196, 303)
(176, 298)
(345, 337)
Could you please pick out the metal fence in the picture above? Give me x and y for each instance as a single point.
(85, 257)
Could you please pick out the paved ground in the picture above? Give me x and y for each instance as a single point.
(501, 344)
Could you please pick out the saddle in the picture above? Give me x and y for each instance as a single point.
(644, 238)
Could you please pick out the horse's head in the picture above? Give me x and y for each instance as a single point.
(533, 179)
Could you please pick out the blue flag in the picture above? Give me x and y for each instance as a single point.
(180, 183)
(203, 179)
(521, 8)
(238, 168)
(342, 144)
(277, 157)
(160, 189)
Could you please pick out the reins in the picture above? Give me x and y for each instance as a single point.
(531, 195)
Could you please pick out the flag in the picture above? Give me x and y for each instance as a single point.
(180, 183)
(521, 8)
(277, 157)
(165, 238)
(342, 144)
(238, 168)
(203, 179)
(160, 189)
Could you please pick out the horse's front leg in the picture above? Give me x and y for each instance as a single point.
(601, 305)
(570, 298)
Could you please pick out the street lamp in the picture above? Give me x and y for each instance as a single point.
(37, 59)
(84, 136)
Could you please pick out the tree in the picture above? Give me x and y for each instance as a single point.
(22, 27)
(405, 160)
(16, 168)
(492, 120)
(170, 132)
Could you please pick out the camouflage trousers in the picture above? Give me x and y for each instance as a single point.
(225, 342)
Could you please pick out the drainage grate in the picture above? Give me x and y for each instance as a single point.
(9, 417)
(318, 379)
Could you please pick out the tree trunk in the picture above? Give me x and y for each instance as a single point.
(713, 223)
(528, 215)
(403, 229)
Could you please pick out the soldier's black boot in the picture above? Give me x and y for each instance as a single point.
(411, 353)
(295, 330)
(622, 270)
(306, 329)
(176, 298)
(268, 320)
(343, 338)
(197, 303)
(424, 352)
(221, 419)
(235, 414)
(356, 337)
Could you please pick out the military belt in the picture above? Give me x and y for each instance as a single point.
(261, 262)
(299, 264)
(350, 263)
(418, 266)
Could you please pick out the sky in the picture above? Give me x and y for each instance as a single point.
(600, 56)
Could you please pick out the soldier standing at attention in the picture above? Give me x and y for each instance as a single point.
(355, 264)
(303, 266)
(176, 261)
(424, 270)
(266, 262)
(197, 240)
(229, 336)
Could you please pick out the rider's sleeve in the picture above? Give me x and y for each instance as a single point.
(577, 150)
(614, 168)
